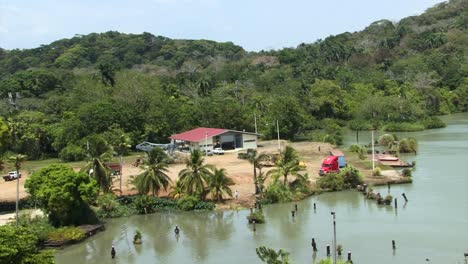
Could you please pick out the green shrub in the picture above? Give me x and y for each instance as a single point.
(189, 203)
(109, 207)
(351, 176)
(331, 181)
(403, 127)
(257, 216)
(277, 192)
(144, 204)
(359, 149)
(433, 122)
(37, 225)
(68, 233)
(377, 172)
(72, 153)
(408, 145)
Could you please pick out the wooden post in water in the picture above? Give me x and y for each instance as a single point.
(393, 245)
(254, 227)
(328, 250)
(396, 203)
(295, 207)
(349, 257)
(293, 213)
(315, 207)
(388, 185)
(314, 245)
(404, 196)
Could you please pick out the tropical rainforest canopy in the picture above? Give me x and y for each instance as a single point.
(148, 87)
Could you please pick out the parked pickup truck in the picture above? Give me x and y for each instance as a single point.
(218, 151)
(11, 176)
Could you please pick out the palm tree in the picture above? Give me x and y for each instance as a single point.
(99, 152)
(17, 161)
(218, 184)
(195, 176)
(155, 175)
(254, 158)
(288, 164)
(177, 190)
(261, 178)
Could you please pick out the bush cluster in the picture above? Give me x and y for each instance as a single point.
(348, 177)
(277, 193)
(110, 206)
(68, 233)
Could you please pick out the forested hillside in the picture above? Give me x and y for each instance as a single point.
(393, 75)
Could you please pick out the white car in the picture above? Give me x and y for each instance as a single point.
(218, 151)
(11, 176)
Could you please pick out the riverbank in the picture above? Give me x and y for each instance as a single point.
(241, 171)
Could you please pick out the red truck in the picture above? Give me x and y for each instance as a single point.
(329, 164)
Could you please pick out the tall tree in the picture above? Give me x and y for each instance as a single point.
(99, 152)
(255, 159)
(64, 195)
(155, 177)
(196, 174)
(288, 164)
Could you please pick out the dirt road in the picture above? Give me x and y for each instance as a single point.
(241, 171)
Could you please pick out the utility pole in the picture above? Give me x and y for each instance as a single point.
(279, 142)
(206, 143)
(17, 196)
(334, 237)
(121, 172)
(255, 119)
(373, 158)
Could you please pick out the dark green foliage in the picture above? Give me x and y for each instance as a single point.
(72, 153)
(68, 233)
(348, 177)
(256, 216)
(19, 245)
(403, 127)
(277, 193)
(39, 226)
(351, 176)
(189, 203)
(110, 207)
(332, 182)
(24, 203)
(271, 256)
(433, 122)
(153, 204)
(391, 75)
(63, 194)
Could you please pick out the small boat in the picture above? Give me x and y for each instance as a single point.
(388, 159)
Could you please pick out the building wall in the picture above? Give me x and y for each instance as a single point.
(200, 145)
(250, 141)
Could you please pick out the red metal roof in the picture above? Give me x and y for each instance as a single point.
(198, 134)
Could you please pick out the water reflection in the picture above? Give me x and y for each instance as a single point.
(433, 224)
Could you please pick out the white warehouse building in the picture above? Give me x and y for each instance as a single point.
(204, 138)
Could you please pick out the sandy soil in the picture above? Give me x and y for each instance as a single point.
(241, 171)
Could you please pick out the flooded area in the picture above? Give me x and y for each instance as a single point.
(432, 225)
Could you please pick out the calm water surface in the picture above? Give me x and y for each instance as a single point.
(433, 224)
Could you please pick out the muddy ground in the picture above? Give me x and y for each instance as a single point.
(241, 171)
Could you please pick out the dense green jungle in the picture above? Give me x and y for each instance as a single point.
(394, 76)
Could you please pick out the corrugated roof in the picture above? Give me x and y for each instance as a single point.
(198, 134)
